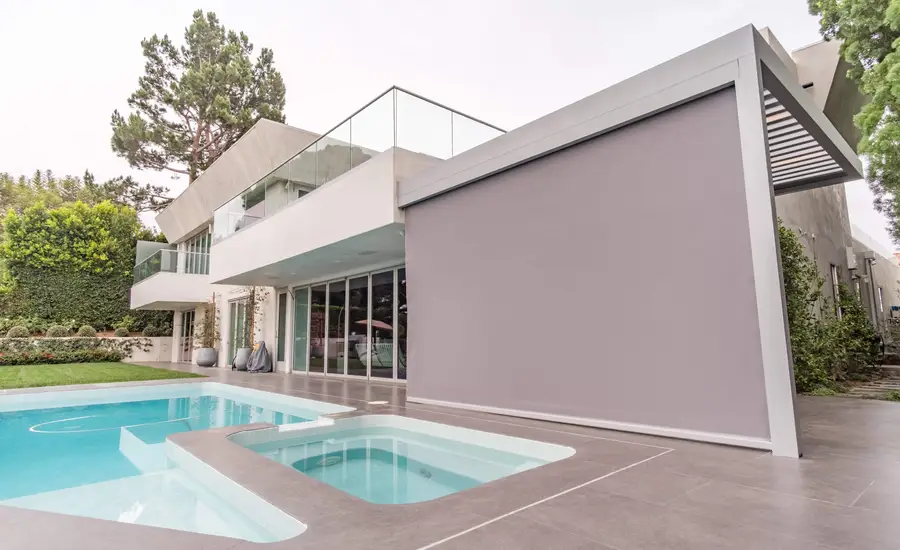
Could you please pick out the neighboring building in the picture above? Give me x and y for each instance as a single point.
(526, 292)
(820, 216)
(876, 279)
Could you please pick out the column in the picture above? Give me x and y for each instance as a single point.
(176, 337)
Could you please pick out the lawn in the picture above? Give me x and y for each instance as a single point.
(33, 376)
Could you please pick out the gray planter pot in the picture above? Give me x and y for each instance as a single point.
(241, 358)
(207, 357)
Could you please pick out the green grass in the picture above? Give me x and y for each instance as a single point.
(33, 376)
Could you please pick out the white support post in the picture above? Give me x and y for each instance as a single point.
(176, 337)
(770, 300)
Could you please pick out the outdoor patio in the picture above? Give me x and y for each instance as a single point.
(620, 490)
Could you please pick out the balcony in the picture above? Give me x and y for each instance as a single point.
(171, 279)
(334, 204)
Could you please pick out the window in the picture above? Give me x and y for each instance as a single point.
(836, 290)
(881, 299)
(196, 252)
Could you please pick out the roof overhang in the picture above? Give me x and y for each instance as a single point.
(803, 148)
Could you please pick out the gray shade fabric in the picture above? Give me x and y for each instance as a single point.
(611, 280)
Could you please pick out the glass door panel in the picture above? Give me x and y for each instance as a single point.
(337, 323)
(301, 326)
(317, 319)
(282, 327)
(187, 337)
(358, 318)
(401, 324)
(237, 328)
(382, 349)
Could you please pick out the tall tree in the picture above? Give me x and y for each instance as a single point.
(195, 101)
(869, 32)
(20, 193)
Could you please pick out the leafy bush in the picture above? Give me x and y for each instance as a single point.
(96, 355)
(57, 331)
(893, 395)
(34, 325)
(151, 331)
(54, 346)
(128, 322)
(86, 331)
(122, 332)
(826, 349)
(18, 332)
(206, 329)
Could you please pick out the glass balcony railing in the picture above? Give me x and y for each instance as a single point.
(396, 118)
(172, 261)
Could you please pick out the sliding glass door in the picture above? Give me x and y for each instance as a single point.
(301, 329)
(354, 326)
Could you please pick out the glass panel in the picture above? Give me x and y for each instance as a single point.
(401, 324)
(302, 173)
(282, 326)
(468, 133)
(162, 260)
(358, 316)
(317, 328)
(333, 154)
(372, 130)
(423, 127)
(278, 190)
(383, 325)
(337, 320)
(301, 318)
(238, 322)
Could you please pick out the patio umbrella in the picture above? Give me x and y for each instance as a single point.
(376, 324)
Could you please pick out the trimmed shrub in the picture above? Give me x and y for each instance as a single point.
(122, 332)
(57, 331)
(86, 331)
(96, 355)
(128, 322)
(151, 331)
(18, 332)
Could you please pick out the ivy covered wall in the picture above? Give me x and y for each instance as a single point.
(73, 262)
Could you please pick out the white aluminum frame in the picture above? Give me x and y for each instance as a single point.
(289, 353)
(742, 60)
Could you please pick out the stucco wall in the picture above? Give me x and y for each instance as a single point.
(822, 222)
(532, 290)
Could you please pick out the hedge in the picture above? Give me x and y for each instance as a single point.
(58, 346)
(96, 355)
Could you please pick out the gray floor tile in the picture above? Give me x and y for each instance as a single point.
(645, 483)
(514, 533)
(628, 524)
(839, 526)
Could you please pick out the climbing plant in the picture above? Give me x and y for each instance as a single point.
(73, 262)
(827, 348)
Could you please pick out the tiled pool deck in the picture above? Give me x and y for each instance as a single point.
(620, 491)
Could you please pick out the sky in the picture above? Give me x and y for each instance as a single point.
(67, 65)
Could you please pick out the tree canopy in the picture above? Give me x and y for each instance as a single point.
(194, 101)
(45, 187)
(869, 32)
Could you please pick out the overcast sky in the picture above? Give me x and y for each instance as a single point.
(66, 65)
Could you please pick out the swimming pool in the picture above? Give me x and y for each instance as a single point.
(387, 459)
(103, 454)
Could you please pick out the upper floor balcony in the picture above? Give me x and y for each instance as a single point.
(171, 279)
(335, 201)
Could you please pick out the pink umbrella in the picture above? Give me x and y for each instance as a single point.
(376, 324)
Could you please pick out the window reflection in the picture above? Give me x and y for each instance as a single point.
(401, 324)
(317, 300)
(358, 316)
(382, 348)
(336, 325)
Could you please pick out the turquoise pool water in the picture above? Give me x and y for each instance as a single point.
(393, 465)
(109, 460)
(71, 446)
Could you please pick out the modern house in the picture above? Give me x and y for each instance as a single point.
(506, 268)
